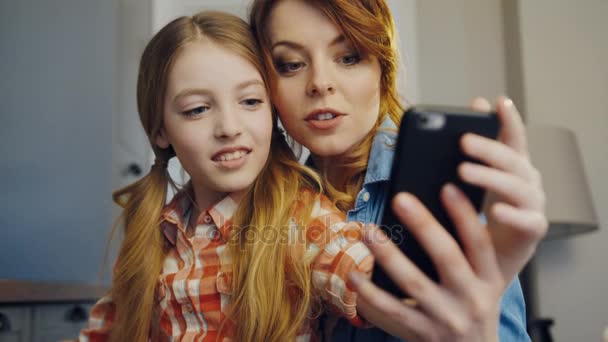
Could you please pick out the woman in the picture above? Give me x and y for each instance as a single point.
(333, 68)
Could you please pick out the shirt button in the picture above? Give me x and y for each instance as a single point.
(366, 196)
(189, 308)
(207, 218)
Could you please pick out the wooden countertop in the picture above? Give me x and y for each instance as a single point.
(21, 291)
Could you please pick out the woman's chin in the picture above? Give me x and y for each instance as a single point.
(329, 149)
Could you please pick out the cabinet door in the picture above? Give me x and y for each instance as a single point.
(58, 322)
(15, 323)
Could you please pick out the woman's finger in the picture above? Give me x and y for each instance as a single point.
(527, 225)
(389, 313)
(402, 271)
(443, 250)
(512, 130)
(475, 239)
(480, 104)
(509, 187)
(407, 276)
(500, 156)
(515, 236)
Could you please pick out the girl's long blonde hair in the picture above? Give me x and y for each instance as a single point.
(368, 26)
(272, 292)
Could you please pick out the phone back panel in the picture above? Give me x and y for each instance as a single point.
(426, 158)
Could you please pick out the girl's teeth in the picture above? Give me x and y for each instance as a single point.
(232, 156)
(325, 116)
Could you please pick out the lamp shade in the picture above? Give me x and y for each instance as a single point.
(555, 153)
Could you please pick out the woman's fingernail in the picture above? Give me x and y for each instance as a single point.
(403, 202)
(451, 191)
(508, 102)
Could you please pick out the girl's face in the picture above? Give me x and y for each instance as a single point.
(328, 96)
(217, 118)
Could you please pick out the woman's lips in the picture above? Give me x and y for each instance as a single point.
(325, 124)
(324, 119)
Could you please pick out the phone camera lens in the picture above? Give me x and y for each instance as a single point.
(431, 121)
(424, 119)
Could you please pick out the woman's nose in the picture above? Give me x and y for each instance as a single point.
(320, 83)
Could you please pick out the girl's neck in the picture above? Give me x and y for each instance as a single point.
(204, 198)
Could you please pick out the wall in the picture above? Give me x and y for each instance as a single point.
(56, 80)
(560, 48)
(564, 55)
(460, 51)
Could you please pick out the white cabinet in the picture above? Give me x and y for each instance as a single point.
(43, 322)
(15, 322)
(45, 312)
(59, 322)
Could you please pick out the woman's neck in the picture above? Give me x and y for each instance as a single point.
(331, 167)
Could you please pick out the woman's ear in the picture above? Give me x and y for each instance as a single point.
(162, 140)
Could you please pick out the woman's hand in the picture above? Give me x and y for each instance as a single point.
(464, 306)
(515, 200)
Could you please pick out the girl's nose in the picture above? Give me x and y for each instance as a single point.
(227, 125)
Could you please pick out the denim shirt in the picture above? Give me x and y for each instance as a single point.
(369, 207)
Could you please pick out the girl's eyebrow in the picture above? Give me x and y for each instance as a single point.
(295, 46)
(249, 83)
(205, 92)
(191, 91)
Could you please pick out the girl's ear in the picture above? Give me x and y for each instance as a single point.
(161, 139)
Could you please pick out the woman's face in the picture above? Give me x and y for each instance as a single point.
(327, 95)
(217, 117)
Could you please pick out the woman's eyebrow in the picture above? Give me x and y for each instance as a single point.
(295, 46)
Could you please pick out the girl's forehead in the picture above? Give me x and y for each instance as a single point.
(211, 61)
(208, 68)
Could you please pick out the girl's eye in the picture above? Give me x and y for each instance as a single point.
(289, 67)
(350, 59)
(252, 103)
(196, 111)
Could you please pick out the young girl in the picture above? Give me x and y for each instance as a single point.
(333, 67)
(248, 248)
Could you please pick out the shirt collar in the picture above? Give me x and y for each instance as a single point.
(175, 215)
(381, 154)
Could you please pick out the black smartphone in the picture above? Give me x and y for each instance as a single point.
(427, 156)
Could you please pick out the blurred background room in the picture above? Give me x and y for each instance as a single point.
(70, 135)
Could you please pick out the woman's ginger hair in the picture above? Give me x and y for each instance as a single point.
(272, 293)
(368, 25)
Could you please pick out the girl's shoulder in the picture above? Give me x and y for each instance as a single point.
(312, 203)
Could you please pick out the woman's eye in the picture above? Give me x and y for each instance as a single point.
(288, 67)
(252, 103)
(196, 111)
(350, 59)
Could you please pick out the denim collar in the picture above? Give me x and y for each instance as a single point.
(381, 154)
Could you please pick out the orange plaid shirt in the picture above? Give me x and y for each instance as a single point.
(194, 289)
